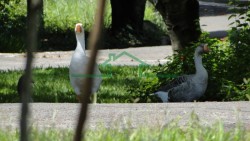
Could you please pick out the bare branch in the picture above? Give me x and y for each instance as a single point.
(32, 25)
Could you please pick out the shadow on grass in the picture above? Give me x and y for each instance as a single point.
(53, 85)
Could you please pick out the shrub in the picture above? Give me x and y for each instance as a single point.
(227, 64)
(12, 27)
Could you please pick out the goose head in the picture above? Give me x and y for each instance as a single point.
(80, 37)
(79, 29)
(203, 48)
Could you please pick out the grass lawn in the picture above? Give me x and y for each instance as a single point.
(53, 85)
(64, 14)
(193, 132)
(59, 19)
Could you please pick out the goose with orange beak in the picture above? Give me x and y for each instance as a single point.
(78, 67)
(187, 88)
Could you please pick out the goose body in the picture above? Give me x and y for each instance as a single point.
(78, 65)
(20, 88)
(187, 88)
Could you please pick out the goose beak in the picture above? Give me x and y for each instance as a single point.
(206, 48)
(78, 28)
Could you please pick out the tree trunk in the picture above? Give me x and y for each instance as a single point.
(127, 13)
(182, 19)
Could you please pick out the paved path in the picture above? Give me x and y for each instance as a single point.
(64, 115)
(149, 55)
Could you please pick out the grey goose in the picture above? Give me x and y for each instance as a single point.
(187, 88)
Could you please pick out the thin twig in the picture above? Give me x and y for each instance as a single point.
(31, 42)
(94, 43)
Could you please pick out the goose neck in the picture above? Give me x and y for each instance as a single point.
(80, 43)
(198, 63)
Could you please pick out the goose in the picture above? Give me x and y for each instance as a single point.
(187, 88)
(20, 88)
(78, 66)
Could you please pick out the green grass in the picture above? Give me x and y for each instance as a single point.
(64, 14)
(192, 132)
(151, 14)
(124, 86)
(52, 85)
(60, 17)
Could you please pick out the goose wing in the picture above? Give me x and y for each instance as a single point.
(175, 83)
(179, 89)
(182, 92)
